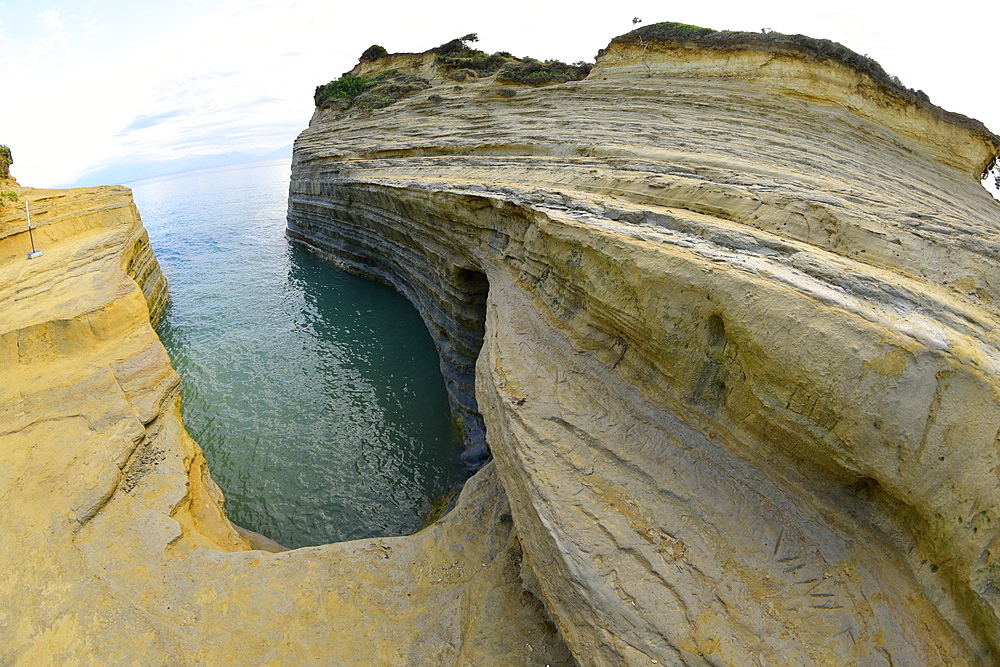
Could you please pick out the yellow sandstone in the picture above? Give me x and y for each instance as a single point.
(115, 548)
(722, 311)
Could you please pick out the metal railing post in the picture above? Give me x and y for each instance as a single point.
(34, 253)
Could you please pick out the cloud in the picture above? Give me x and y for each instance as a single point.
(92, 26)
(50, 18)
(56, 30)
(243, 71)
(142, 122)
(3, 37)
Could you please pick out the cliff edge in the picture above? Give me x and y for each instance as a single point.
(725, 312)
(718, 317)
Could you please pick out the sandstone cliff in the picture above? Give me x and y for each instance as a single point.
(114, 546)
(726, 312)
(723, 312)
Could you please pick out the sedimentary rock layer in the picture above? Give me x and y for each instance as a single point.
(739, 363)
(114, 545)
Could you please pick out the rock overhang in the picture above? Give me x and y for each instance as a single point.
(781, 257)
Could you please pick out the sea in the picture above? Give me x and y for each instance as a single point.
(316, 395)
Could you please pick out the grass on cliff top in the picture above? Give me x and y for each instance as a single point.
(459, 56)
(671, 30)
(480, 62)
(347, 86)
(537, 73)
(368, 92)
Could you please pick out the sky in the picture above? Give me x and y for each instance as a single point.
(116, 89)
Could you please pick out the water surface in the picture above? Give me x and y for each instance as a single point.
(316, 395)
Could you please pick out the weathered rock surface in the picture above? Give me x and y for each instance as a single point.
(739, 354)
(114, 545)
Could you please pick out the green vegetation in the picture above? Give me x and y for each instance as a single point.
(669, 29)
(456, 45)
(374, 52)
(368, 92)
(463, 60)
(347, 86)
(537, 73)
(5, 161)
(457, 59)
(457, 54)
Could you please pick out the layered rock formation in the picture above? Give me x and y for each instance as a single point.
(115, 548)
(723, 313)
(735, 299)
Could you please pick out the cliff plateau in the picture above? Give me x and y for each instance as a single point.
(724, 314)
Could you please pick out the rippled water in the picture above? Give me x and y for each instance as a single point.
(315, 395)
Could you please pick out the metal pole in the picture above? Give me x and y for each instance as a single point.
(34, 253)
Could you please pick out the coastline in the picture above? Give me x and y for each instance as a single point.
(730, 332)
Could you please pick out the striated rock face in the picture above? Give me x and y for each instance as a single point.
(114, 545)
(731, 310)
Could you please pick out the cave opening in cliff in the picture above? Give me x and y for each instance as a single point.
(474, 287)
(472, 290)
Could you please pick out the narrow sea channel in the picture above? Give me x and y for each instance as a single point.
(315, 395)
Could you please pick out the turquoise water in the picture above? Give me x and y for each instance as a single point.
(316, 395)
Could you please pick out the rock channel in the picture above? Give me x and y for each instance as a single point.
(115, 547)
(722, 313)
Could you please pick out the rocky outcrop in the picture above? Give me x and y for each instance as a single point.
(115, 548)
(5, 161)
(731, 313)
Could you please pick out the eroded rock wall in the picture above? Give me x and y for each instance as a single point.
(740, 365)
(114, 544)
(454, 310)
